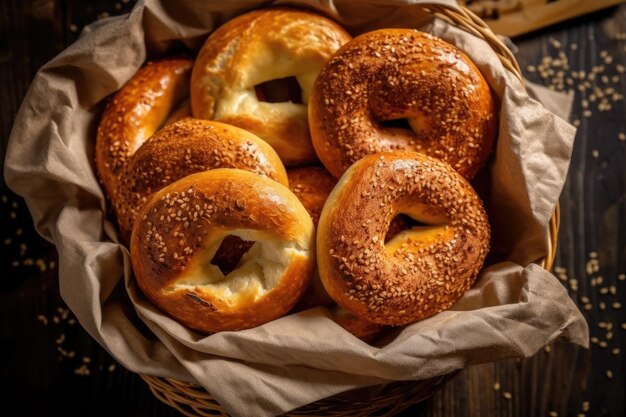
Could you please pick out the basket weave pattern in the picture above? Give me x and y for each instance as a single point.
(192, 400)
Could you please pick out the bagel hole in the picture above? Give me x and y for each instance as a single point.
(399, 224)
(397, 124)
(279, 90)
(229, 254)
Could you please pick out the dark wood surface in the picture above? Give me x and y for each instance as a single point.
(50, 366)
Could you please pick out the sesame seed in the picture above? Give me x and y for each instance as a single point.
(82, 370)
(555, 43)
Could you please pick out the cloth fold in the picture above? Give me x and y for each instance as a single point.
(513, 310)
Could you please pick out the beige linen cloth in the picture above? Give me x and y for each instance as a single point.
(513, 310)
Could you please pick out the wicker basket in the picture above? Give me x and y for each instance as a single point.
(192, 400)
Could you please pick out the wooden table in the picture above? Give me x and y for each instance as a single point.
(52, 367)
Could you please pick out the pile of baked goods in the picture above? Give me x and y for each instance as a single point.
(290, 166)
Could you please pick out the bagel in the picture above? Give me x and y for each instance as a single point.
(136, 111)
(312, 185)
(182, 227)
(420, 271)
(395, 74)
(250, 51)
(186, 147)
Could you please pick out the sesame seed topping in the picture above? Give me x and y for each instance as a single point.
(386, 76)
(391, 284)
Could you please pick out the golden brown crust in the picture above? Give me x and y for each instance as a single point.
(257, 47)
(186, 147)
(136, 112)
(169, 245)
(402, 73)
(420, 272)
(311, 185)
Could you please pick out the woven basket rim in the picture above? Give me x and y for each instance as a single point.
(192, 400)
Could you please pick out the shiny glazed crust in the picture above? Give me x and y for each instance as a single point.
(312, 185)
(402, 74)
(183, 225)
(186, 147)
(420, 271)
(136, 111)
(257, 47)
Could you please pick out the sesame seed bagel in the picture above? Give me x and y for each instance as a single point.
(393, 74)
(136, 111)
(312, 185)
(186, 147)
(420, 271)
(182, 227)
(256, 48)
